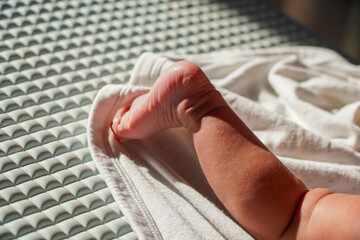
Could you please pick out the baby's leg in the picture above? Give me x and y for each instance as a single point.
(161, 108)
(253, 185)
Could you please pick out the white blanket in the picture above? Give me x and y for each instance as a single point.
(302, 102)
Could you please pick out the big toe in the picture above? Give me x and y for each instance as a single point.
(118, 119)
(134, 121)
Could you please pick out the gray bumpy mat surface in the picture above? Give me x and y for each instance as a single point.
(55, 56)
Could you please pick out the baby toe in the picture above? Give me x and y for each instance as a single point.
(115, 124)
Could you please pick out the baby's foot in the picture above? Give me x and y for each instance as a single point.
(179, 97)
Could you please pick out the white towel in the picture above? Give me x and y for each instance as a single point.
(302, 102)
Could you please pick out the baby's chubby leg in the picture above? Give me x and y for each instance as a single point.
(180, 96)
(253, 185)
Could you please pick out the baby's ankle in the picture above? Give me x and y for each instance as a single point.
(192, 109)
(195, 94)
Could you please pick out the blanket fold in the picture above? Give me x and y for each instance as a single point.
(303, 103)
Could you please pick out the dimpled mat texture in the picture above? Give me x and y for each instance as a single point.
(54, 57)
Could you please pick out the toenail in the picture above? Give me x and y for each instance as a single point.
(114, 134)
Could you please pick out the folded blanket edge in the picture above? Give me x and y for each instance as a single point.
(107, 101)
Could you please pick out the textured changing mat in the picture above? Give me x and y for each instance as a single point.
(54, 57)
